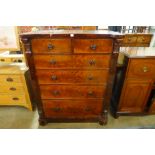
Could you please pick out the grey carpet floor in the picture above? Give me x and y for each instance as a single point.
(21, 118)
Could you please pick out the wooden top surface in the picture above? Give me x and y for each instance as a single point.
(138, 52)
(72, 32)
(18, 68)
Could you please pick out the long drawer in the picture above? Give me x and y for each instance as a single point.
(72, 108)
(71, 91)
(12, 99)
(12, 89)
(93, 45)
(71, 61)
(72, 76)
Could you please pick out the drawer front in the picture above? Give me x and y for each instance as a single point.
(51, 45)
(12, 89)
(72, 76)
(130, 39)
(142, 68)
(71, 91)
(12, 99)
(10, 79)
(72, 108)
(144, 39)
(71, 61)
(93, 45)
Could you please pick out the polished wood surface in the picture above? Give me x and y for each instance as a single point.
(141, 68)
(71, 91)
(75, 81)
(51, 45)
(93, 45)
(137, 40)
(72, 76)
(134, 95)
(90, 61)
(72, 108)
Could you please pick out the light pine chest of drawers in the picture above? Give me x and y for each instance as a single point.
(72, 72)
(14, 89)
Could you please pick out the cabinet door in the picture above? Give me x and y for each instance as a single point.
(134, 95)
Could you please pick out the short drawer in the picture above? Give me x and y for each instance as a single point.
(12, 99)
(93, 45)
(71, 91)
(11, 89)
(71, 61)
(142, 68)
(72, 76)
(51, 45)
(10, 79)
(72, 108)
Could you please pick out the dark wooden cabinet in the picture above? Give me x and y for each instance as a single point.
(72, 73)
(134, 83)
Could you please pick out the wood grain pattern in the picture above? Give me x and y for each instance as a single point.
(134, 95)
(72, 76)
(71, 91)
(93, 45)
(72, 108)
(71, 61)
(51, 45)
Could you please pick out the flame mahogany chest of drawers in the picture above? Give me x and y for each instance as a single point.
(72, 73)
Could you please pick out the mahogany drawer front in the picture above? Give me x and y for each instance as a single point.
(12, 99)
(72, 108)
(72, 76)
(71, 61)
(93, 45)
(71, 91)
(51, 45)
(10, 79)
(142, 68)
(12, 89)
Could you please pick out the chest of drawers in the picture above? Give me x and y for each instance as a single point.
(73, 73)
(134, 86)
(13, 82)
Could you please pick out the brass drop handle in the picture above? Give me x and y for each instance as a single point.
(56, 109)
(143, 39)
(129, 39)
(53, 62)
(15, 98)
(92, 62)
(54, 77)
(50, 46)
(12, 88)
(145, 69)
(90, 93)
(90, 77)
(93, 47)
(9, 79)
(56, 92)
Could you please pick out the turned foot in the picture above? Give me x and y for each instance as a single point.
(42, 122)
(104, 118)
